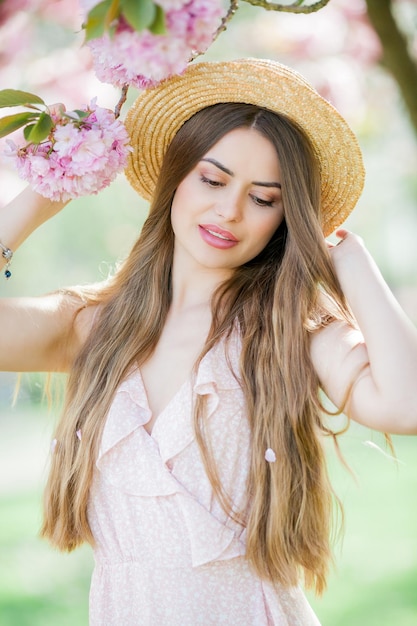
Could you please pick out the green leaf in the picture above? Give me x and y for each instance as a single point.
(9, 123)
(27, 130)
(81, 114)
(158, 26)
(96, 23)
(75, 116)
(139, 13)
(14, 98)
(112, 13)
(40, 131)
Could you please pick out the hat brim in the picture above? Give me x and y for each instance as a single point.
(159, 112)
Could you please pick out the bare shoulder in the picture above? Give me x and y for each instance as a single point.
(83, 323)
(38, 331)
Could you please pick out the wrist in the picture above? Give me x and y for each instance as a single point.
(23, 215)
(7, 254)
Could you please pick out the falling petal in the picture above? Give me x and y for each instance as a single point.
(78, 433)
(270, 456)
(53, 444)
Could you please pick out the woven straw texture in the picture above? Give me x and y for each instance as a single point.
(158, 114)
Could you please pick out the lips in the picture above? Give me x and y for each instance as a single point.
(217, 237)
(219, 232)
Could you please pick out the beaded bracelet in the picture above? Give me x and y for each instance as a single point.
(8, 255)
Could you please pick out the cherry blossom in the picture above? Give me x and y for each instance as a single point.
(81, 156)
(143, 59)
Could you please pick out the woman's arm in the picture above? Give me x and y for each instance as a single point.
(36, 334)
(23, 215)
(378, 365)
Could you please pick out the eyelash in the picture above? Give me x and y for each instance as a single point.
(262, 202)
(211, 183)
(215, 184)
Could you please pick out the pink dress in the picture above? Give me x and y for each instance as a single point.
(166, 553)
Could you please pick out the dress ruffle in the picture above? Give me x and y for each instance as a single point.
(174, 435)
(166, 552)
(150, 472)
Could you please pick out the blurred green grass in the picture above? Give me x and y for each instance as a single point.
(374, 583)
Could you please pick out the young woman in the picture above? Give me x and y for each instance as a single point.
(189, 453)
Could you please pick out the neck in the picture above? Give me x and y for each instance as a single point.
(193, 285)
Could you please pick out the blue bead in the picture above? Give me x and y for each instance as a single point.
(7, 274)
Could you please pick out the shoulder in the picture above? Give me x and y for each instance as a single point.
(80, 314)
(84, 322)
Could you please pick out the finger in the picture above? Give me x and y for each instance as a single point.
(342, 233)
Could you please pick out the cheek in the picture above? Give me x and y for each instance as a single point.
(269, 226)
(176, 207)
(175, 218)
(180, 203)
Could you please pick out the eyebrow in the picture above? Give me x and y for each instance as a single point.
(226, 170)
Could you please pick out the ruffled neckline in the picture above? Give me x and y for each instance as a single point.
(140, 465)
(172, 435)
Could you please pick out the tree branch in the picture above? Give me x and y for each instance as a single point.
(396, 58)
(295, 7)
(234, 5)
(123, 97)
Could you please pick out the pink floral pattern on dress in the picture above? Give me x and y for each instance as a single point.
(166, 553)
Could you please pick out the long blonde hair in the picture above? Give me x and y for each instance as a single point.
(276, 300)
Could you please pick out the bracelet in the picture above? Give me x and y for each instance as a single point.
(8, 255)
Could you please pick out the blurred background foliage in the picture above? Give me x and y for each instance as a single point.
(354, 66)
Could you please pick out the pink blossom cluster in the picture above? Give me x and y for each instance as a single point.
(81, 156)
(10, 7)
(143, 59)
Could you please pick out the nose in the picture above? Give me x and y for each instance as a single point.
(230, 207)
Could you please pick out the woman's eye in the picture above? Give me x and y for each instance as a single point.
(211, 182)
(261, 201)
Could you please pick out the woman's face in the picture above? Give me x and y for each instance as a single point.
(228, 207)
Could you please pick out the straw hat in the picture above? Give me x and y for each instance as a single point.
(159, 113)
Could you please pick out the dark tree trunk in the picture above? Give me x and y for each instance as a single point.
(396, 58)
